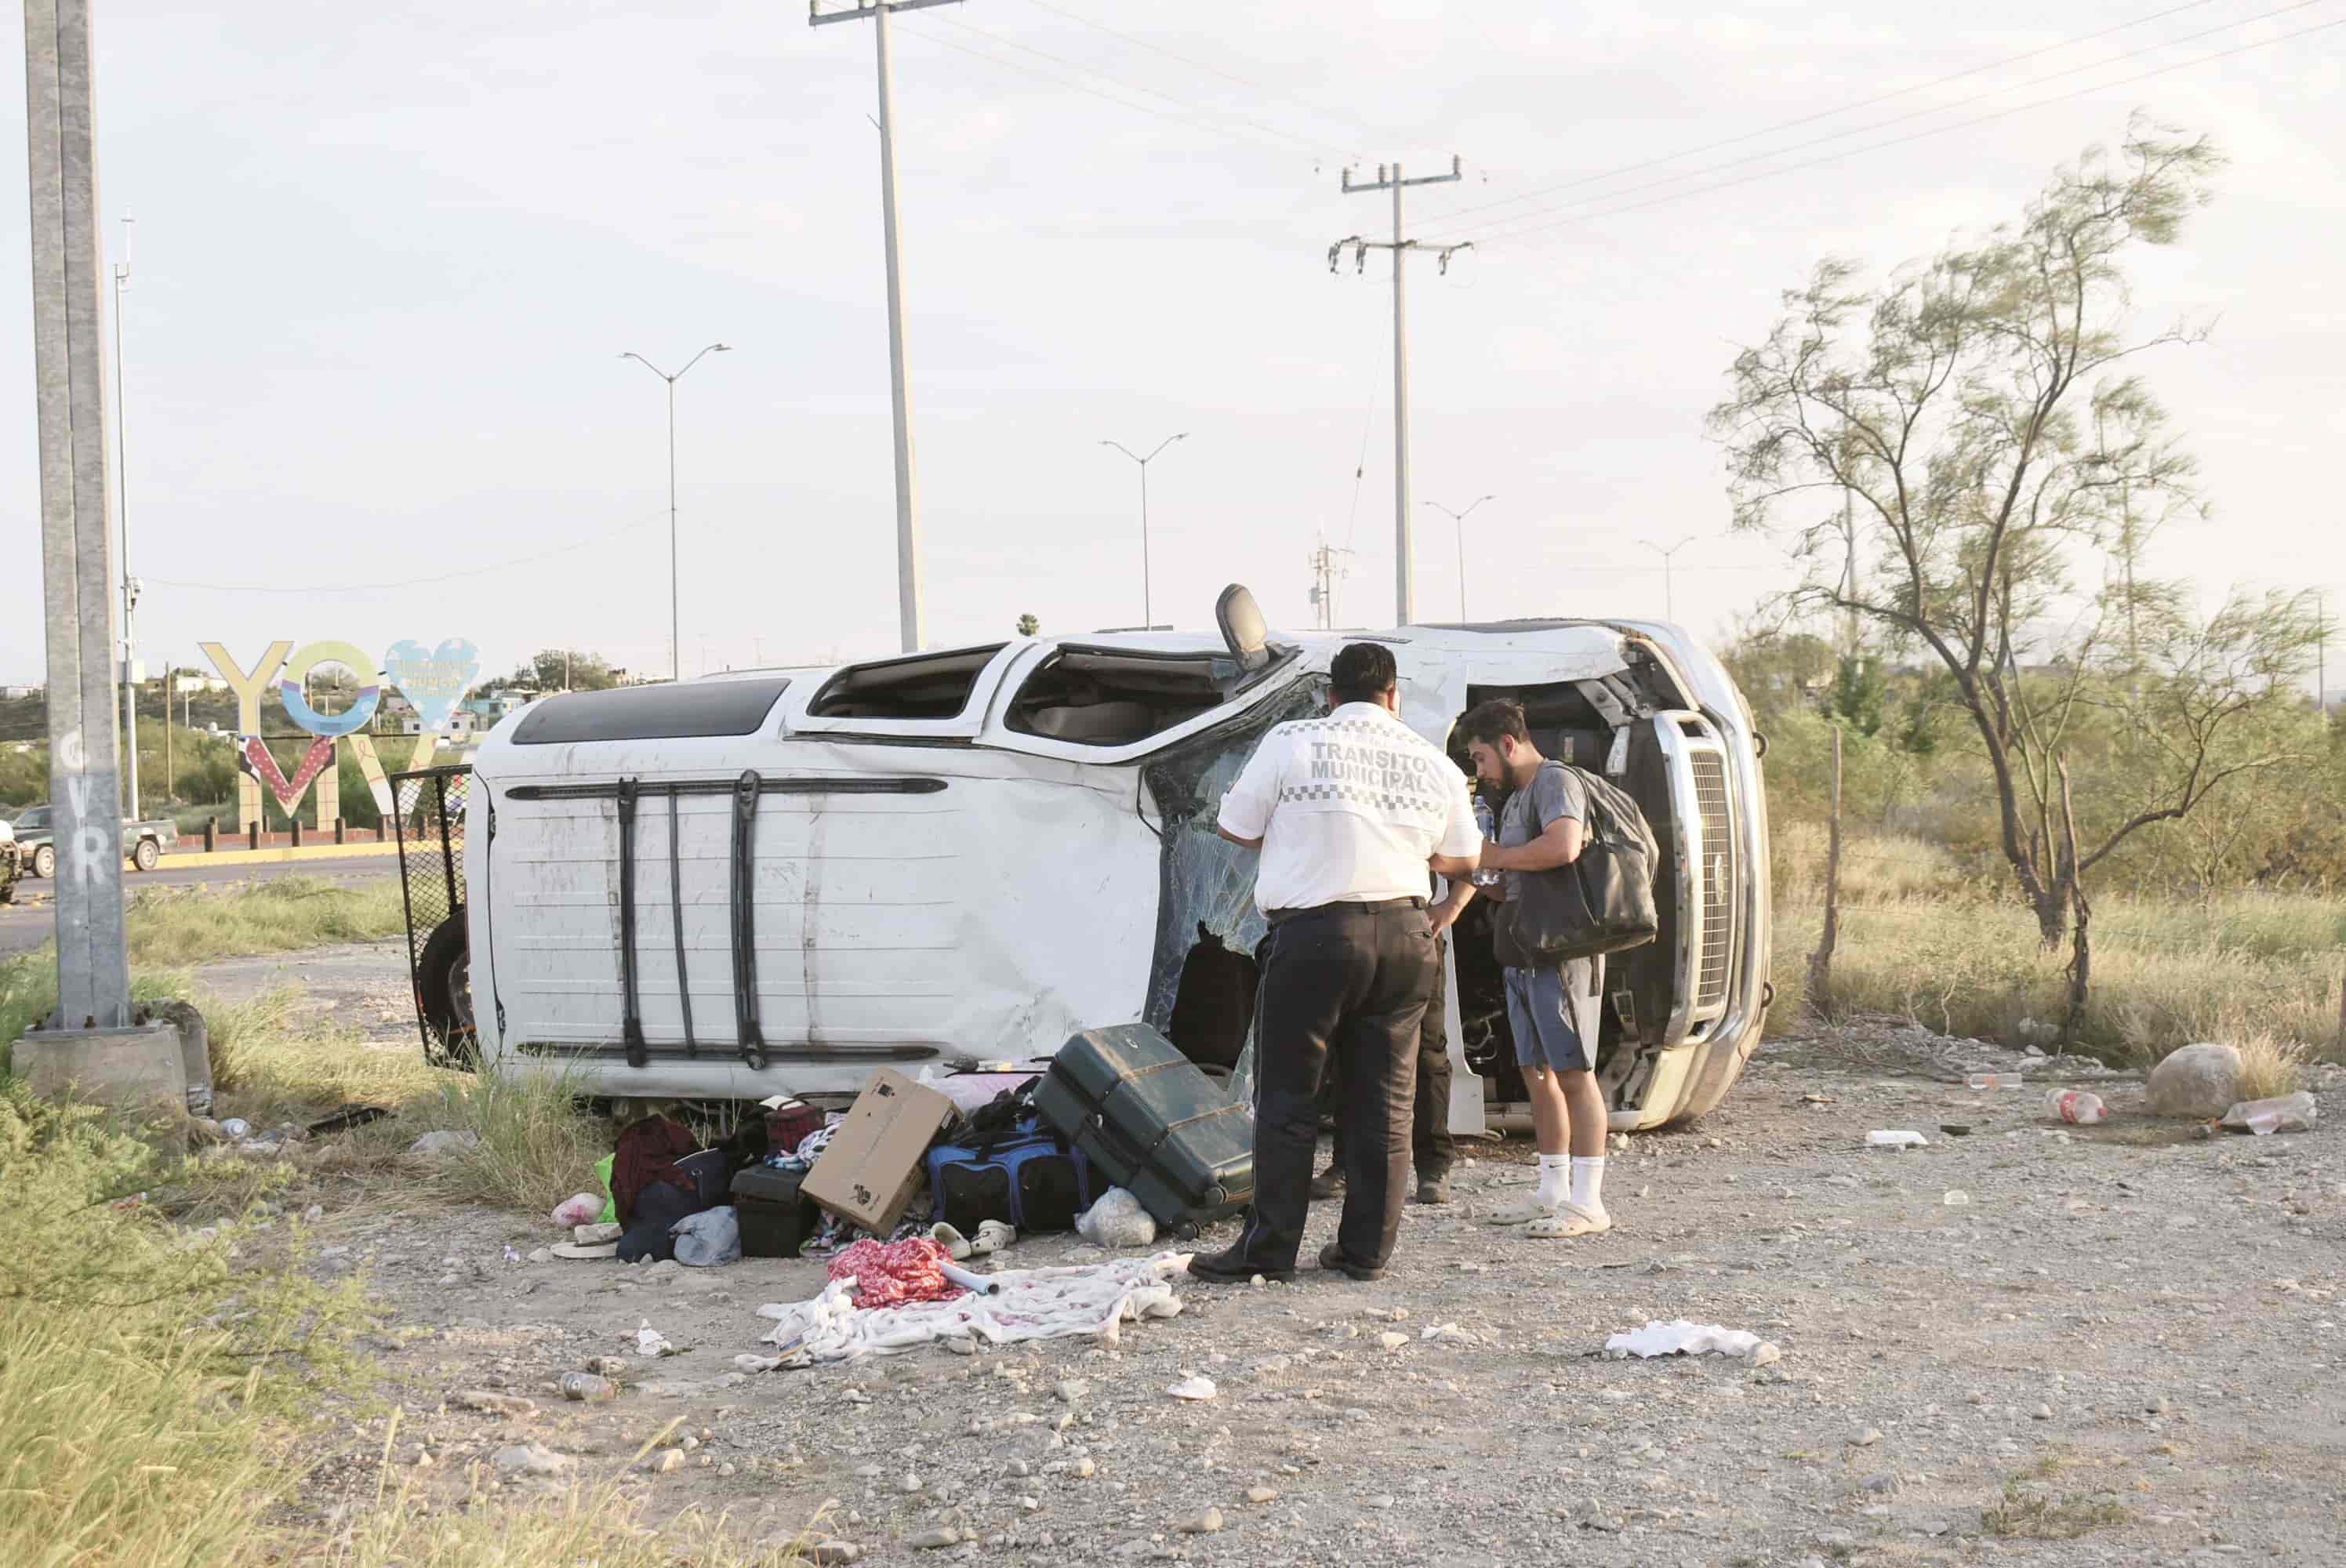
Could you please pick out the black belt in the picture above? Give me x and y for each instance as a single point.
(1281, 917)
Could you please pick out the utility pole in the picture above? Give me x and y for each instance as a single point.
(122, 511)
(76, 568)
(1460, 518)
(1670, 594)
(1148, 611)
(908, 526)
(1389, 178)
(1325, 570)
(675, 613)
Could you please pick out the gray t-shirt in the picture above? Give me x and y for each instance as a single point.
(1554, 793)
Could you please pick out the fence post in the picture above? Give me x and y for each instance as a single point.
(338, 830)
(297, 832)
(252, 833)
(211, 834)
(1820, 960)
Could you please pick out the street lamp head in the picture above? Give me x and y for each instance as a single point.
(722, 348)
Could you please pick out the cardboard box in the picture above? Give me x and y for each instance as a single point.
(872, 1168)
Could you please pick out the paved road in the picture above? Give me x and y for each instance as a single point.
(32, 918)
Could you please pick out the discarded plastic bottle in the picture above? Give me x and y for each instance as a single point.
(2288, 1114)
(2077, 1105)
(589, 1388)
(1994, 1081)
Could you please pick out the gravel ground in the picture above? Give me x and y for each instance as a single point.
(2024, 1345)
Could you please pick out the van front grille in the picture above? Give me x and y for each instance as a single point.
(1718, 880)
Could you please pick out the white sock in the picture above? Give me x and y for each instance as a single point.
(1553, 1177)
(1588, 1184)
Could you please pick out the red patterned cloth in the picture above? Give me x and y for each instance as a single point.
(890, 1274)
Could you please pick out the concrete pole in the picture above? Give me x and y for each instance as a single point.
(122, 511)
(76, 557)
(908, 525)
(1404, 541)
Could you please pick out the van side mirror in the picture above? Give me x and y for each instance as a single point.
(1244, 631)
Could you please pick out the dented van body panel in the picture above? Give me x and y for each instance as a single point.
(977, 853)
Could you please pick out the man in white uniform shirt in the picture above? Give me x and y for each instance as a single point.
(1351, 813)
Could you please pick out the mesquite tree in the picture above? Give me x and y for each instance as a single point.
(1964, 444)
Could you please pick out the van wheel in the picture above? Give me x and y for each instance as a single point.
(444, 993)
(147, 855)
(45, 861)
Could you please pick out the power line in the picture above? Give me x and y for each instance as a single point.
(1823, 114)
(1213, 69)
(1190, 117)
(1893, 120)
(417, 581)
(1600, 212)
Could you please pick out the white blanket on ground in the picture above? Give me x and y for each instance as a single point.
(1024, 1304)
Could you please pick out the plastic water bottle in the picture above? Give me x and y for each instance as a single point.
(1993, 1081)
(2288, 1114)
(2077, 1105)
(1490, 826)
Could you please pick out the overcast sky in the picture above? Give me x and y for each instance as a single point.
(387, 259)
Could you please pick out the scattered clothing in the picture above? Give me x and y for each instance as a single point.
(647, 1152)
(892, 1274)
(1024, 1304)
(710, 1237)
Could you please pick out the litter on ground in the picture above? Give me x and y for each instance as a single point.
(1680, 1337)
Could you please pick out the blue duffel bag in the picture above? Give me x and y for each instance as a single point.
(1024, 1175)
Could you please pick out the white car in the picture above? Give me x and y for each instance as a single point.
(778, 880)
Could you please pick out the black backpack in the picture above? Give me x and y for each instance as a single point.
(1602, 902)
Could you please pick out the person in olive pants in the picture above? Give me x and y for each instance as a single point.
(1431, 1150)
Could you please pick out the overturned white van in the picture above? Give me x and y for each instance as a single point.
(778, 880)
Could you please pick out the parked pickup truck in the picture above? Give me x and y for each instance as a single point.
(146, 842)
(12, 864)
(778, 880)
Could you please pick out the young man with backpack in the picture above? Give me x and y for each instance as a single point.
(1552, 1007)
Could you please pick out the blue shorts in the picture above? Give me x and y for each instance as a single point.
(1552, 1013)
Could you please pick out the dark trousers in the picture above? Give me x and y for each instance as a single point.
(1431, 1149)
(1346, 983)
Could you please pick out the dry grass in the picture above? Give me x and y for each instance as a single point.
(2033, 1515)
(2269, 1068)
(585, 1525)
(2261, 971)
(156, 1396)
(170, 927)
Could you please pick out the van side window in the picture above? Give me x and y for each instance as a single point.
(1114, 697)
(919, 686)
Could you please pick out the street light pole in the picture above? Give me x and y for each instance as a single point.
(1670, 597)
(675, 612)
(1460, 518)
(1148, 603)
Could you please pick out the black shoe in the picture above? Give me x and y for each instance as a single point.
(1331, 1257)
(1328, 1184)
(1231, 1267)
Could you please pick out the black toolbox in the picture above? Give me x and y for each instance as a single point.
(775, 1218)
(1153, 1123)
